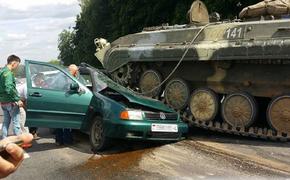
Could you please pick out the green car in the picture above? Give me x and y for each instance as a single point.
(96, 105)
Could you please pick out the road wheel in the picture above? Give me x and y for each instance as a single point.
(239, 109)
(149, 80)
(204, 104)
(98, 139)
(177, 93)
(278, 114)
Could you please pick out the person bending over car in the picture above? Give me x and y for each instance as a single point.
(39, 82)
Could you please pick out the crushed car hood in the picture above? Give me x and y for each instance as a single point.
(103, 82)
(145, 101)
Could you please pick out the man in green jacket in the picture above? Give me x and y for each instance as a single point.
(9, 98)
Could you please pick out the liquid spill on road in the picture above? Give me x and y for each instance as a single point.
(106, 166)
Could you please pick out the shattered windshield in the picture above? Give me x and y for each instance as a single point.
(102, 81)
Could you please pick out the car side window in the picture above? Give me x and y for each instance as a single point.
(47, 77)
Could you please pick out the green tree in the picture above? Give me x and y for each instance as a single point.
(93, 22)
(55, 62)
(66, 46)
(228, 8)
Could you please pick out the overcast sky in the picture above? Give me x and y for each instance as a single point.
(30, 28)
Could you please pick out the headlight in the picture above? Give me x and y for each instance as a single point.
(131, 115)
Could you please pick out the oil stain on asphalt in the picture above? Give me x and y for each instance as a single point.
(119, 163)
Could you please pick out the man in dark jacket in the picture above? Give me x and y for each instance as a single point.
(9, 98)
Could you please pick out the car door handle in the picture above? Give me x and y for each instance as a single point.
(35, 94)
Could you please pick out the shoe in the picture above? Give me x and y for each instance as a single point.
(26, 146)
(59, 144)
(35, 137)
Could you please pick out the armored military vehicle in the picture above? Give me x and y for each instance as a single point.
(229, 76)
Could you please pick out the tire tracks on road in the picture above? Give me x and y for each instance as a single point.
(222, 150)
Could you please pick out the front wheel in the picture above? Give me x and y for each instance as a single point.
(98, 139)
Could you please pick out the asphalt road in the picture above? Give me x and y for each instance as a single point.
(204, 155)
(189, 159)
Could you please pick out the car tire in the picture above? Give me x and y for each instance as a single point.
(98, 140)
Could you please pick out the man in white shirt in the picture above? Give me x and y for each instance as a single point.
(22, 91)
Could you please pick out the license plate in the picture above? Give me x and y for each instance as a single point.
(164, 128)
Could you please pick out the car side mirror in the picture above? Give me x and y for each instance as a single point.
(74, 87)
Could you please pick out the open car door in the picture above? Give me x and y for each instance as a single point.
(54, 98)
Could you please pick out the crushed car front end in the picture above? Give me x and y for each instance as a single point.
(146, 125)
(128, 115)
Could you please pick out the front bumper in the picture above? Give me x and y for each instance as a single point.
(126, 129)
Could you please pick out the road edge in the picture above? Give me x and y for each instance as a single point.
(258, 161)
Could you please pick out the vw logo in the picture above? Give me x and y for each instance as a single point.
(162, 116)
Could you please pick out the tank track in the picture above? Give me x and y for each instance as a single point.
(223, 127)
(256, 132)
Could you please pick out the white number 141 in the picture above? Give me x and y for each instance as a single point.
(234, 33)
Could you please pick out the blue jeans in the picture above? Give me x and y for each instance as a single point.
(11, 113)
(63, 136)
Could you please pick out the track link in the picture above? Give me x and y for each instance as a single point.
(223, 127)
(256, 132)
